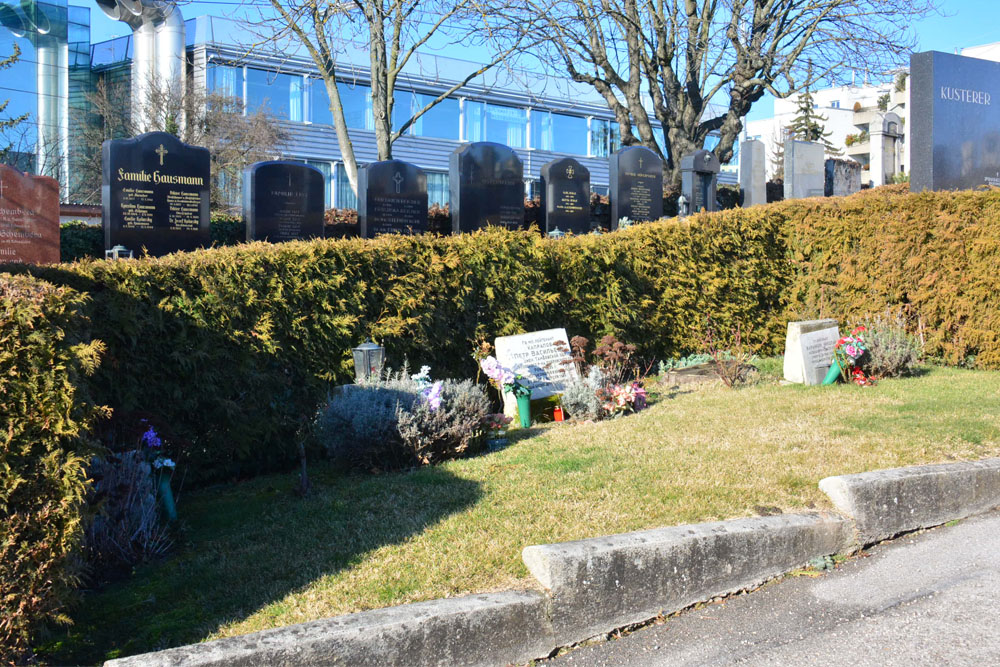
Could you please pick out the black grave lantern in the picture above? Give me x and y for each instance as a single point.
(368, 359)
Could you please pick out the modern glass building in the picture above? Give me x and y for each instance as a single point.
(542, 118)
(49, 83)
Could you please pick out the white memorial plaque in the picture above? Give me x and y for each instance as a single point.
(537, 358)
(809, 350)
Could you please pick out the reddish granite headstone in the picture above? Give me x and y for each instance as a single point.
(29, 217)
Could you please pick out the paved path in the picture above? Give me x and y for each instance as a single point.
(931, 598)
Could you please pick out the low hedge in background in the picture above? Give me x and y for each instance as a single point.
(45, 415)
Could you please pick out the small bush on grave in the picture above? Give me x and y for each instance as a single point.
(126, 529)
(227, 229)
(609, 384)
(892, 350)
(398, 421)
(46, 412)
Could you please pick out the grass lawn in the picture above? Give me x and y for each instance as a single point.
(252, 556)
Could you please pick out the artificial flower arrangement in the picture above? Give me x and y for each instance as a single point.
(430, 391)
(620, 399)
(504, 379)
(847, 355)
(152, 448)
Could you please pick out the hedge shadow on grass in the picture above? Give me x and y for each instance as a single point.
(244, 548)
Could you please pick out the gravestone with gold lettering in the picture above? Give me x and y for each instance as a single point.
(29, 217)
(636, 175)
(155, 194)
(566, 196)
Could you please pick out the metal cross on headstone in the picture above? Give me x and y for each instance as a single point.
(161, 151)
(570, 171)
(289, 180)
(640, 163)
(398, 180)
(1, 189)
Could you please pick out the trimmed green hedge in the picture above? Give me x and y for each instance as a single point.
(44, 353)
(230, 350)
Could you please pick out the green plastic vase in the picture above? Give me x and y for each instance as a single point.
(833, 374)
(524, 410)
(167, 497)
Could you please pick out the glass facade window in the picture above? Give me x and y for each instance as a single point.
(605, 137)
(225, 80)
(541, 130)
(507, 125)
(357, 101)
(327, 170)
(475, 121)
(569, 134)
(344, 195)
(441, 120)
(280, 94)
(437, 188)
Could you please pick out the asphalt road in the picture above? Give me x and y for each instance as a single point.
(931, 598)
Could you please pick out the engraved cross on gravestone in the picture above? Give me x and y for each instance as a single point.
(398, 180)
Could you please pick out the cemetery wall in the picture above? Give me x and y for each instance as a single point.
(232, 349)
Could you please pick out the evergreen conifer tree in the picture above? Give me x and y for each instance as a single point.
(808, 125)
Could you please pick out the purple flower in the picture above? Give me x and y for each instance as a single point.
(150, 439)
(433, 395)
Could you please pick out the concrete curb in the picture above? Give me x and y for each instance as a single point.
(598, 585)
(601, 584)
(488, 629)
(886, 503)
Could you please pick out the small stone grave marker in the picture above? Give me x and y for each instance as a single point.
(29, 217)
(392, 199)
(537, 357)
(283, 201)
(155, 194)
(809, 350)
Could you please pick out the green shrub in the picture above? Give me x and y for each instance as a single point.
(226, 229)
(43, 453)
(78, 240)
(892, 351)
(235, 348)
(390, 423)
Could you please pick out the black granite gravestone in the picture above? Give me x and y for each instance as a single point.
(566, 196)
(155, 194)
(954, 122)
(283, 201)
(486, 182)
(392, 199)
(699, 176)
(636, 175)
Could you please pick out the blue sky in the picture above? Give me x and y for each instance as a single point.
(964, 23)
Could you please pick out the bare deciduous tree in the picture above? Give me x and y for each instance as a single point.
(675, 57)
(216, 122)
(393, 31)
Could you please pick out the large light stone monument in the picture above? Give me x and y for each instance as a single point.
(805, 169)
(753, 177)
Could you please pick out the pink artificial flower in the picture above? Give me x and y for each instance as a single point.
(852, 352)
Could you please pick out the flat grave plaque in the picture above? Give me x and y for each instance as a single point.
(535, 356)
